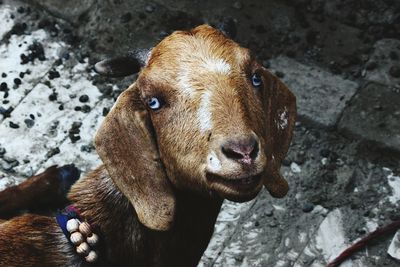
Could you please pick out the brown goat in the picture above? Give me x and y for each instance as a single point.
(203, 122)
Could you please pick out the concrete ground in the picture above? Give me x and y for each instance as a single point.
(341, 59)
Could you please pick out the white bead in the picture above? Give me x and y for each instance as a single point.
(91, 257)
(72, 225)
(85, 229)
(76, 238)
(83, 248)
(92, 240)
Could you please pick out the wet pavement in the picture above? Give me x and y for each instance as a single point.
(341, 59)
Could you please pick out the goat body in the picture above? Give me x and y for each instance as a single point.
(203, 122)
(33, 240)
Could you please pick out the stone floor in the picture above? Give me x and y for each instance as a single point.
(343, 166)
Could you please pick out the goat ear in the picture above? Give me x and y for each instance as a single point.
(124, 65)
(126, 144)
(228, 27)
(280, 107)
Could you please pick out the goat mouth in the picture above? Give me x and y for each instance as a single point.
(238, 184)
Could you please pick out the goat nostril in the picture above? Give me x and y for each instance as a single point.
(242, 150)
(231, 153)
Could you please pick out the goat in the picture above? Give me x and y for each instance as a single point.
(203, 122)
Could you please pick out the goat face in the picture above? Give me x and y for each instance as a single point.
(219, 122)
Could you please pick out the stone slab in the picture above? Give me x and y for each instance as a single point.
(70, 10)
(321, 96)
(374, 114)
(386, 55)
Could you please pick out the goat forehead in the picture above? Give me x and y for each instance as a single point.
(198, 74)
(216, 64)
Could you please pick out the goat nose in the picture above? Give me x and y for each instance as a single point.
(243, 150)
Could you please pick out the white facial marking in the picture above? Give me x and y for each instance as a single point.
(184, 83)
(204, 113)
(216, 65)
(283, 120)
(213, 162)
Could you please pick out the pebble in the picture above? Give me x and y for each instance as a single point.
(53, 74)
(371, 65)
(84, 98)
(150, 8)
(280, 74)
(269, 212)
(286, 162)
(52, 152)
(361, 231)
(324, 152)
(307, 207)
(125, 18)
(36, 50)
(394, 71)
(21, 9)
(295, 168)
(29, 123)
(86, 148)
(393, 55)
(53, 96)
(14, 125)
(44, 23)
(3, 86)
(6, 112)
(17, 81)
(74, 131)
(300, 157)
(237, 5)
(18, 29)
(273, 224)
(66, 56)
(11, 161)
(105, 111)
(3, 75)
(6, 166)
(85, 109)
(2, 151)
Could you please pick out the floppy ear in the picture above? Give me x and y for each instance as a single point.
(126, 144)
(228, 27)
(280, 108)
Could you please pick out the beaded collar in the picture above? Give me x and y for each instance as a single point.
(79, 233)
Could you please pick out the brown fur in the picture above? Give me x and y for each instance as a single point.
(37, 191)
(156, 199)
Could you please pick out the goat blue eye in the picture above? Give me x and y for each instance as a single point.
(154, 103)
(256, 80)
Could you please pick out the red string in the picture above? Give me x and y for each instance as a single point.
(363, 242)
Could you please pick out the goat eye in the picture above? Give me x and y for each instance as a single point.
(154, 103)
(256, 80)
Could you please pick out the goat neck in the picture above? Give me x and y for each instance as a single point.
(126, 241)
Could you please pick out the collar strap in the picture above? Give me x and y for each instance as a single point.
(79, 233)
